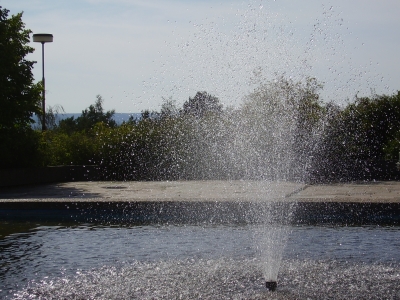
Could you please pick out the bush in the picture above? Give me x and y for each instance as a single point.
(20, 148)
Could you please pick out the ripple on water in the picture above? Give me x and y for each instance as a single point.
(222, 279)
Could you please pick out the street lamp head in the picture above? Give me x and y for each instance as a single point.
(43, 37)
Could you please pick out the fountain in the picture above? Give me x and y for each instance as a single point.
(214, 250)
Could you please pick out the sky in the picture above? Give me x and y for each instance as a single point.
(137, 53)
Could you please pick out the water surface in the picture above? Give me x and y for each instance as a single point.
(89, 261)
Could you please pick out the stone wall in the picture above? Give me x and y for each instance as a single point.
(24, 176)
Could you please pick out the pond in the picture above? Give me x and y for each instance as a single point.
(152, 261)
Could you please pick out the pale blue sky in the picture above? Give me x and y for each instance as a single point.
(134, 52)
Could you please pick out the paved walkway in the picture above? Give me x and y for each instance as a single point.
(376, 192)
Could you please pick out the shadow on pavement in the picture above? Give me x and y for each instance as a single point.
(45, 192)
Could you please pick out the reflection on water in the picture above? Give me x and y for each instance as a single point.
(104, 262)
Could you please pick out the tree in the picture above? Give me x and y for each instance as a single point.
(169, 108)
(202, 104)
(147, 115)
(90, 116)
(95, 114)
(360, 142)
(19, 96)
(51, 117)
(281, 121)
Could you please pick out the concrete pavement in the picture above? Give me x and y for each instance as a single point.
(192, 191)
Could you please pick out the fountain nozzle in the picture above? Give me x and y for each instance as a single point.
(271, 285)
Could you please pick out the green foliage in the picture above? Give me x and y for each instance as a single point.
(95, 114)
(201, 104)
(131, 152)
(67, 125)
(59, 148)
(19, 96)
(89, 118)
(19, 147)
(51, 117)
(77, 141)
(149, 115)
(169, 109)
(282, 131)
(372, 123)
(281, 123)
(361, 140)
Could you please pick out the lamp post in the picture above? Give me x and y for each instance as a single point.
(43, 38)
